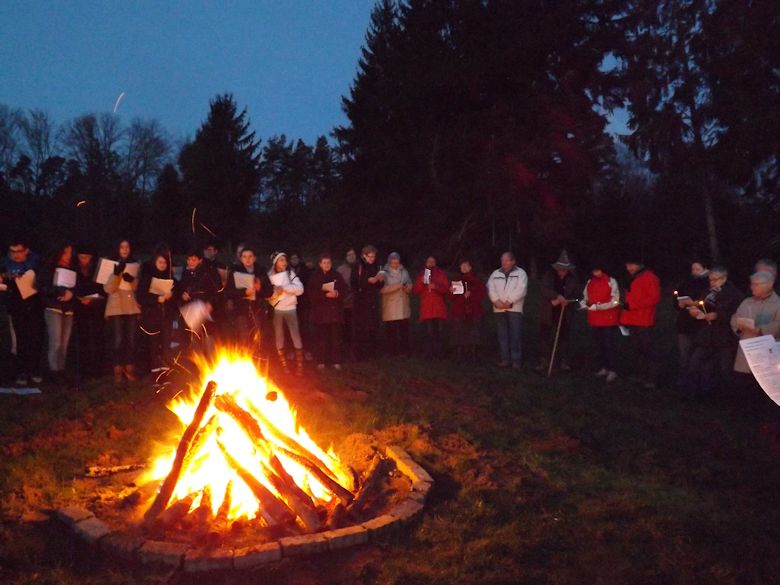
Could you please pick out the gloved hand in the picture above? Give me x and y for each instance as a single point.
(128, 277)
(119, 268)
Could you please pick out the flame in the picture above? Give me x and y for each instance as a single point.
(236, 376)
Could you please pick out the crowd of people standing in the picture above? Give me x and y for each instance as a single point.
(333, 311)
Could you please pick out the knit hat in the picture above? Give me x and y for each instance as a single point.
(563, 262)
(393, 256)
(763, 276)
(275, 256)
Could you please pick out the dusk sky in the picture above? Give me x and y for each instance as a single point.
(288, 62)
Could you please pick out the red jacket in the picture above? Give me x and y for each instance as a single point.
(432, 304)
(642, 298)
(599, 292)
(470, 308)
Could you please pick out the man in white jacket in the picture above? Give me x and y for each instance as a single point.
(507, 288)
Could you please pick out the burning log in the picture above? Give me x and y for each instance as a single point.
(371, 484)
(272, 509)
(337, 516)
(296, 498)
(343, 493)
(174, 513)
(201, 516)
(103, 471)
(166, 490)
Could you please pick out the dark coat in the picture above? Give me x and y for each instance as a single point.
(324, 310)
(10, 270)
(86, 286)
(469, 309)
(365, 314)
(242, 305)
(696, 288)
(154, 314)
(51, 294)
(199, 284)
(718, 333)
(551, 287)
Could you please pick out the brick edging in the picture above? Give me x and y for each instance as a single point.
(176, 555)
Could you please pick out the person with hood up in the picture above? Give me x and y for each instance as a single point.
(287, 287)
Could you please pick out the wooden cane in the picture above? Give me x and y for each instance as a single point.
(557, 335)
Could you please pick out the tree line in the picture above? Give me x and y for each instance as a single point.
(472, 126)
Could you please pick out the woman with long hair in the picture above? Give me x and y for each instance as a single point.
(57, 283)
(122, 312)
(287, 288)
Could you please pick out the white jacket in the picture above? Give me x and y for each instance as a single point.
(292, 287)
(510, 287)
(613, 302)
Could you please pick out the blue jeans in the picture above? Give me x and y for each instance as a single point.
(509, 326)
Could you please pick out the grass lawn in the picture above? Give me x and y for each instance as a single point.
(538, 481)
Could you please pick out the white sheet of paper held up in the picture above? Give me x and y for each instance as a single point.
(65, 278)
(195, 314)
(279, 278)
(26, 284)
(329, 286)
(160, 286)
(457, 287)
(427, 276)
(243, 281)
(132, 269)
(763, 357)
(105, 270)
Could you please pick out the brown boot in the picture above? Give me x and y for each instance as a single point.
(283, 361)
(119, 374)
(299, 358)
(130, 373)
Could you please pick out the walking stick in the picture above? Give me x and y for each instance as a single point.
(557, 336)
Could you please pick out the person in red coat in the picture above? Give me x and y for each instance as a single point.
(642, 298)
(432, 286)
(601, 300)
(466, 295)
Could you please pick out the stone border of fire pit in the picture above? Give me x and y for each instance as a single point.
(176, 555)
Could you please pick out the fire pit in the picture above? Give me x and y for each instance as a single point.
(244, 484)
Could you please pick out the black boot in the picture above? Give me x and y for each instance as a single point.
(283, 361)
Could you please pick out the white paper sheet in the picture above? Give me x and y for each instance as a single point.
(243, 281)
(160, 286)
(329, 286)
(105, 270)
(26, 284)
(624, 331)
(65, 278)
(132, 269)
(279, 278)
(457, 287)
(763, 357)
(427, 276)
(195, 314)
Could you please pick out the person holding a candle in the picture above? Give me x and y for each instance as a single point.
(396, 308)
(466, 295)
(714, 344)
(690, 290)
(601, 300)
(432, 286)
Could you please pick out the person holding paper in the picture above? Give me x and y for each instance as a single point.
(25, 309)
(197, 284)
(714, 344)
(466, 295)
(432, 286)
(58, 281)
(122, 311)
(559, 286)
(692, 289)
(757, 315)
(89, 309)
(247, 288)
(287, 288)
(507, 288)
(396, 308)
(601, 300)
(158, 309)
(366, 282)
(639, 310)
(327, 290)
(218, 272)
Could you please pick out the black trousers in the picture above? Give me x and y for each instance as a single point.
(365, 344)
(397, 337)
(434, 337)
(122, 333)
(29, 329)
(347, 331)
(160, 346)
(328, 347)
(710, 370)
(645, 357)
(605, 345)
(89, 344)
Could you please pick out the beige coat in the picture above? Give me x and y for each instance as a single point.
(766, 314)
(395, 303)
(120, 302)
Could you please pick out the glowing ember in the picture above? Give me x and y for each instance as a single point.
(245, 456)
